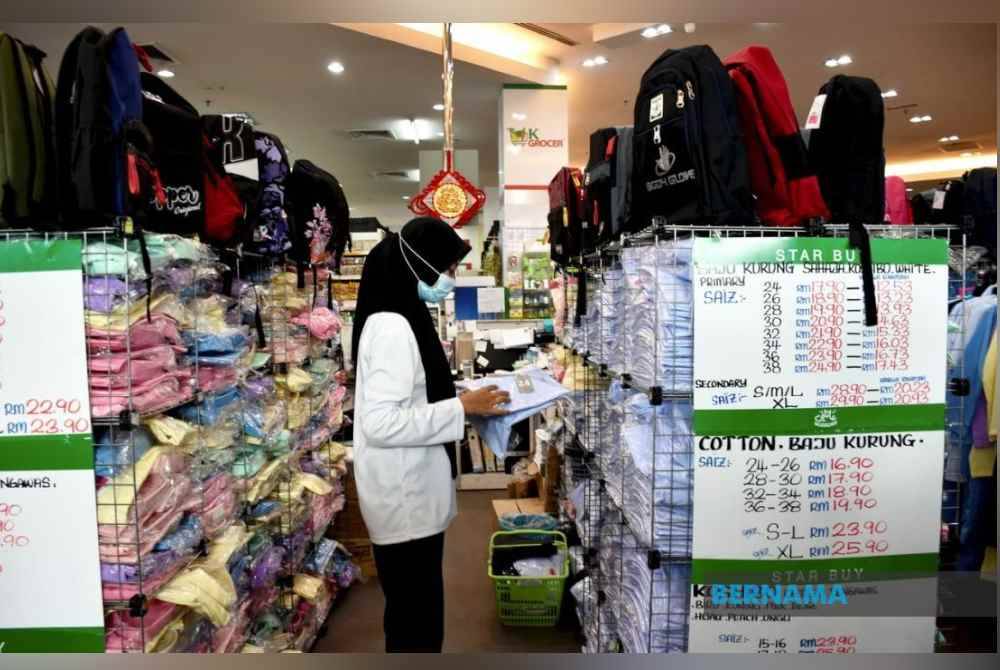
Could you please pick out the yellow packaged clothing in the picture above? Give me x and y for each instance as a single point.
(334, 452)
(222, 548)
(989, 569)
(265, 480)
(219, 436)
(990, 379)
(165, 640)
(297, 380)
(207, 590)
(302, 482)
(309, 587)
(982, 460)
(114, 499)
(299, 411)
(118, 320)
(168, 430)
(251, 649)
(208, 315)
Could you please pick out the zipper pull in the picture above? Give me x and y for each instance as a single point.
(656, 135)
(690, 88)
(680, 99)
(133, 171)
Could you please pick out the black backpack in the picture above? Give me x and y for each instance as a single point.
(321, 218)
(175, 127)
(270, 232)
(846, 150)
(689, 161)
(979, 207)
(567, 212)
(599, 177)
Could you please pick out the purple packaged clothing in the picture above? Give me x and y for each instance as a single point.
(980, 426)
(152, 565)
(103, 294)
(266, 568)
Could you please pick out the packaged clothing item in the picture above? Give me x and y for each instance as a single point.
(297, 380)
(157, 564)
(168, 430)
(213, 408)
(495, 431)
(155, 395)
(654, 604)
(208, 347)
(659, 321)
(215, 379)
(119, 318)
(522, 521)
(108, 293)
(103, 258)
(125, 590)
(120, 370)
(117, 450)
(162, 466)
(126, 633)
(310, 587)
(204, 589)
(265, 568)
(321, 322)
(125, 543)
(183, 539)
(146, 334)
(229, 638)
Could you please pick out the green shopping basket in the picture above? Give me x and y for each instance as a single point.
(528, 601)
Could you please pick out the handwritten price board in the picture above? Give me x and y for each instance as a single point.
(49, 571)
(819, 441)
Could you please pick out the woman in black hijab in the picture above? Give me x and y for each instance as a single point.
(407, 419)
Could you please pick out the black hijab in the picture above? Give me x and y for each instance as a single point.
(388, 285)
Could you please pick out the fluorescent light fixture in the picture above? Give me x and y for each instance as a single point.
(921, 119)
(600, 60)
(891, 93)
(649, 33)
(406, 197)
(689, 28)
(439, 107)
(335, 67)
(165, 73)
(949, 138)
(589, 63)
(518, 116)
(844, 60)
(939, 168)
(831, 62)
(663, 29)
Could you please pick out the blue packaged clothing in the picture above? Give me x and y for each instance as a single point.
(216, 349)
(210, 409)
(183, 539)
(116, 449)
(495, 431)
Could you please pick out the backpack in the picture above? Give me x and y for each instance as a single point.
(608, 149)
(846, 150)
(27, 160)
(567, 211)
(621, 188)
(897, 206)
(233, 159)
(270, 232)
(321, 219)
(98, 114)
(175, 127)
(225, 210)
(689, 161)
(787, 193)
(979, 206)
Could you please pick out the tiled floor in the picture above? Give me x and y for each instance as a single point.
(471, 624)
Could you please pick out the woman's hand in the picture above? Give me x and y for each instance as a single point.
(486, 401)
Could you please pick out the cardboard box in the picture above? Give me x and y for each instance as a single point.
(522, 505)
(362, 553)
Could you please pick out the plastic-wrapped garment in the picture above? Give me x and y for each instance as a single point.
(321, 322)
(663, 593)
(344, 570)
(612, 411)
(658, 325)
(319, 560)
(265, 568)
(153, 565)
(105, 294)
(229, 638)
(256, 388)
(205, 589)
(209, 463)
(216, 379)
(122, 591)
(612, 317)
(612, 532)
(102, 258)
(183, 539)
(126, 633)
(657, 446)
(168, 430)
(116, 450)
(155, 395)
(165, 248)
(213, 408)
(220, 504)
(599, 624)
(239, 572)
(216, 349)
(118, 370)
(196, 637)
(248, 462)
(119, 320)
(148, 486)
(523, 520)
(147, 333)
(589, 331)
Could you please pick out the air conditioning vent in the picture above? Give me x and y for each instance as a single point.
(156, 52)
(372, 135)
(960, 147)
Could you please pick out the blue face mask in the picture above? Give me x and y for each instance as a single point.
(442, 288)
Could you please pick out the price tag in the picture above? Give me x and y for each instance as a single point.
(939, 197)
(816, 112)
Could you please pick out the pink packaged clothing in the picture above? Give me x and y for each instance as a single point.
(152, 396)
(219, 504)
(112, 370)
(116, 591)
(321, 322)
(212, 379)
(129, 633)
(161, 329)
(231, 637)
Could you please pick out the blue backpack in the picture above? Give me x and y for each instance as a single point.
(270, 230)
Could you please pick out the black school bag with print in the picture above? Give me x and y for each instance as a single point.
(270, 234)
(321, 218)
(175, 127)
(599, 177)
(689, 160)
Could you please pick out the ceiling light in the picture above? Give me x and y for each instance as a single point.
(920, 119)
(689, 28)
(439, 107)
(165, 74)
(649, 33)
(831, 62)
(600, 60)
(891, 93)
(663, 29)
(406, 197)
(518, 116)
(949, 138)
(844, 60)
(909, 190)
(336, 67)
(414, 131)
(589, 63)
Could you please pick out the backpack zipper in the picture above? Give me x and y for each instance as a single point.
(690, 89)
(680, 99)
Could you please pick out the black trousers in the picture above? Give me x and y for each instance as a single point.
(410, 573)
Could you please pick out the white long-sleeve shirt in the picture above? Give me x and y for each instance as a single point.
(402, 472)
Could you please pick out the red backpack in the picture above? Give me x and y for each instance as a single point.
(897, 205)
(787, 191)
(224, 209)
